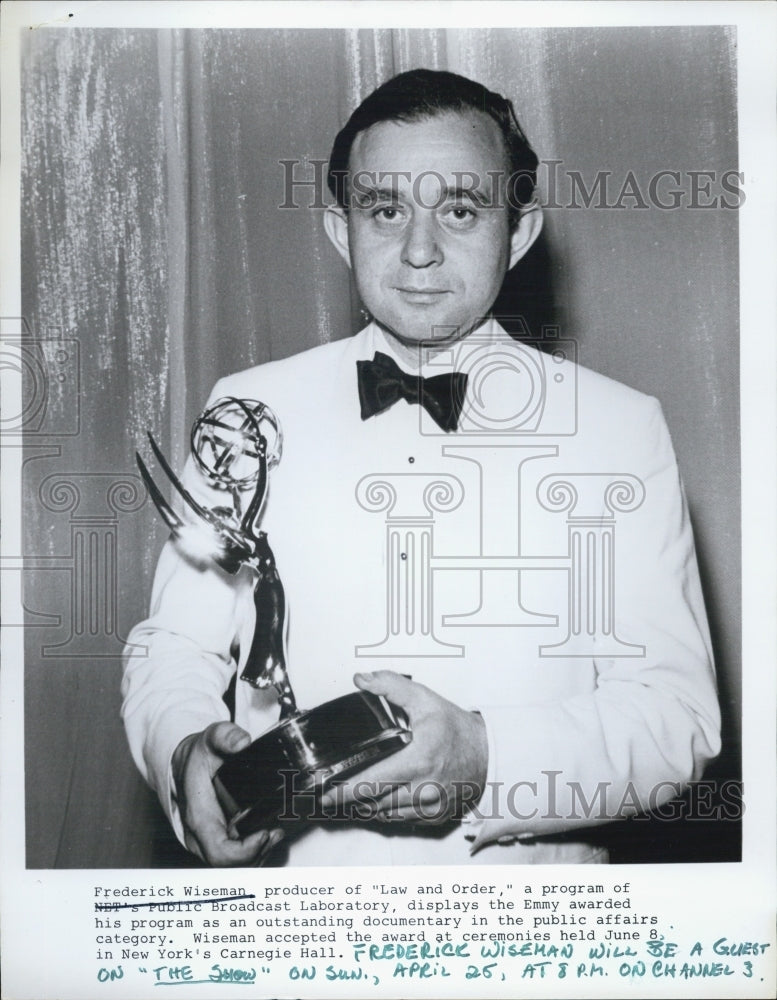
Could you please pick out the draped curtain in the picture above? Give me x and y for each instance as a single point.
(160, 252)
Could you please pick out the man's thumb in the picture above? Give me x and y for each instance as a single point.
(395, 687)
(226, 738)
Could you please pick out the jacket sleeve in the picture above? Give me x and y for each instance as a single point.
(651, 722)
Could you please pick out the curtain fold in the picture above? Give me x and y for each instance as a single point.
(174, 108)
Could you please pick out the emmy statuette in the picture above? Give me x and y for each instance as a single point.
(235, 443)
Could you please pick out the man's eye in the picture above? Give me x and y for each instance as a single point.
(387, 213)
(461, 213)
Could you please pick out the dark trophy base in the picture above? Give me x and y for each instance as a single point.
(304, 755)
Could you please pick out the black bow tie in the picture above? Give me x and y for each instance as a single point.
(382, 382)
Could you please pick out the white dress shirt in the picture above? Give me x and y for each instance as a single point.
(570, 616)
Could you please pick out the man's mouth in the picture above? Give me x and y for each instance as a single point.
(421, 296)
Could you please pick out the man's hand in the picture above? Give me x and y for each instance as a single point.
(195, 761)
(432, 778)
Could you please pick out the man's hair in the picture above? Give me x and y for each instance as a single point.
(425, 93)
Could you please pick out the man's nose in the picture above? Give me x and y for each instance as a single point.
(422, 245)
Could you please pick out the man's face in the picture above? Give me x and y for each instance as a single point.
(428, 233)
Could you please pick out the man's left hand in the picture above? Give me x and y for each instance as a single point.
(434, 776)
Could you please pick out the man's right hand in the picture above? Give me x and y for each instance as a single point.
(195, 760)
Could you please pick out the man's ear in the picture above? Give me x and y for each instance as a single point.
(336, 226)
(525, 233)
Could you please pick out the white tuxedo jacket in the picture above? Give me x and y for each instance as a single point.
(536, 565)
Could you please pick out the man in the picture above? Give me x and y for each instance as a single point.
(560, 663)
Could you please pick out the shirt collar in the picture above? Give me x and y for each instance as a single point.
(455, 357)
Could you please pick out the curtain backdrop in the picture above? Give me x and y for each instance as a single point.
(156, 258)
